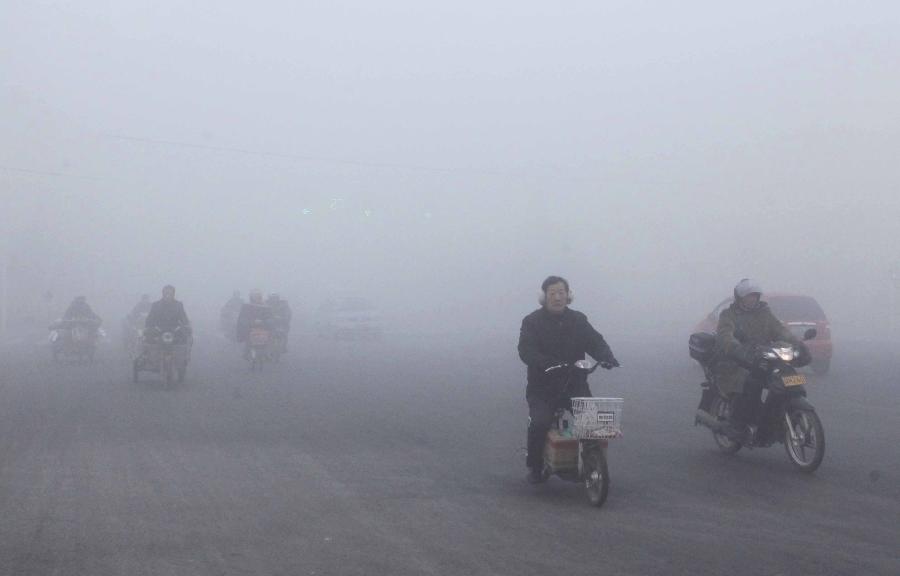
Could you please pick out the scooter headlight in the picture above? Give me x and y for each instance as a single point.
(787, 354)
(168, 337)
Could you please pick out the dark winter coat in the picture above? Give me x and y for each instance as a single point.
(281, 314)
(548, 339)
(739, 333)
(167, 315)
(80, 310)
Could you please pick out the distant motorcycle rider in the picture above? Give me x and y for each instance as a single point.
(167, 314)
(253, 312)
(744, 329)
(229, 314)
(281, 317)
(79, 309)
(141, 308)
(552, 335)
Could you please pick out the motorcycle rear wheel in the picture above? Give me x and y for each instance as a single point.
(809, 449)
(721, 409)
(596, 477)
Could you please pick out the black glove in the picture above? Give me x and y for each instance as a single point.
(759, 361)
(609, 363)
(804, 357)
(748, 357)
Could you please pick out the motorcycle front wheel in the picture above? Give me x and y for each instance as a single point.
(806, 446)
(596, 477)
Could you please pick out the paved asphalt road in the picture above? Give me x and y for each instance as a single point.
(405, 457)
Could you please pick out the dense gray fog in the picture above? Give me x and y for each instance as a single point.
(443, 159)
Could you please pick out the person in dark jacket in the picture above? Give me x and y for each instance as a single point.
(744, 328)
(229, 314)
(79, 309)
(552, 335)
(252, 312)
(141, 308)
(281, 318)
(167, 314)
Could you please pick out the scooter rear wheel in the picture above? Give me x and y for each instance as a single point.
(721, 409)
(596, 477)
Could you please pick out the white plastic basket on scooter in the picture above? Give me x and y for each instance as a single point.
(597, 418)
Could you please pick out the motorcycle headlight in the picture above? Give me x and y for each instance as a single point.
(168, 337)
(786, 354)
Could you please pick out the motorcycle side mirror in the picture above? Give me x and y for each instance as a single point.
(810, 334)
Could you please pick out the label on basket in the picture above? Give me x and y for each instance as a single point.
(606, 417)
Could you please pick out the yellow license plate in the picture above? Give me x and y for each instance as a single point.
(795, 380)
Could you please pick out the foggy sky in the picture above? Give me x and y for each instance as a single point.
(444, 159)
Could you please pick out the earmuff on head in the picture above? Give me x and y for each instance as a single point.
(542, 298)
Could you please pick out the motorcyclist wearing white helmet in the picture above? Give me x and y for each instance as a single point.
(744, 329)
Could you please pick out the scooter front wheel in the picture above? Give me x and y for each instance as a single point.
(596, 477)
(804, 441)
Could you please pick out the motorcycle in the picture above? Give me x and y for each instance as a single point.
(166, 353)
(786, 417)
(576, 445)
(76, 337)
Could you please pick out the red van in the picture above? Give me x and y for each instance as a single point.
(799, 313)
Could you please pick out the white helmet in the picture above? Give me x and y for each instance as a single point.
(746, 286)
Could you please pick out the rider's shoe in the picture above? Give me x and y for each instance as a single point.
(750, 435)
(535, 476)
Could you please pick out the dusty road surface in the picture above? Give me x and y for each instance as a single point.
(405, 457)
